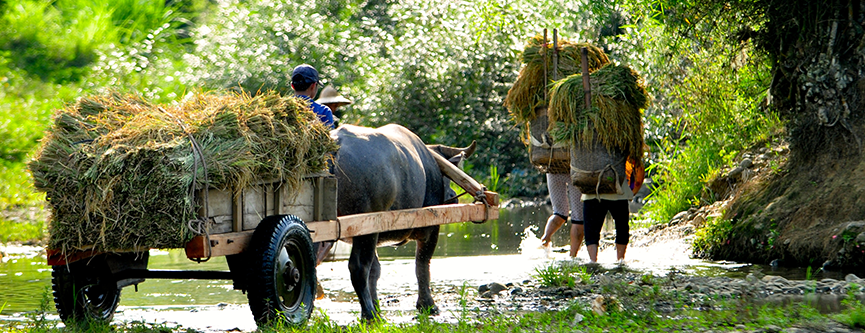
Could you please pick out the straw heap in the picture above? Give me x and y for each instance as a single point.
(618, 96)
(118, 170)
(528, 91)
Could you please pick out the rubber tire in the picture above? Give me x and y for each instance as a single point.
(85, 291)
(268, 298)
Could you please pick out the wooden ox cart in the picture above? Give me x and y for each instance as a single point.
(266, 235)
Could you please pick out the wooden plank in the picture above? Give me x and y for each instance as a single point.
(330, 198)
(318, 199)
(56, 257)
(220, 244)
(363, 224)
(254, 206)
(237, 212)
(462, 179)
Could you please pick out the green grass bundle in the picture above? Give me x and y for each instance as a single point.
(618, 96)
(528, 91)
(117, 170)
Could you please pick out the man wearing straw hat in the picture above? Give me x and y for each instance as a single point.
(331, 98)
(305, 82)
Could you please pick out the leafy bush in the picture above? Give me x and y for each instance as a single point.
(722, 111)
(716, 232)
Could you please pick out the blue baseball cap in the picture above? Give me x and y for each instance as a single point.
(304, 74)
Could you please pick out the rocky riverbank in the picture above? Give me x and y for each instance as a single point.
(618, 290)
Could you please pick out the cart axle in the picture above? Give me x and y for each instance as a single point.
(174, 274)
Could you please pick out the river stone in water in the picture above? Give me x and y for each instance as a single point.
(496, 287)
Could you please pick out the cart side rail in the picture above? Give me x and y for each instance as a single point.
(354, 225)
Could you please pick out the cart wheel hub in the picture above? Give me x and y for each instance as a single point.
(291, 276)
(295, 275)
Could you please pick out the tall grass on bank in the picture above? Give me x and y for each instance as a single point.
(722, 112)
(57, 40)
(47, 49)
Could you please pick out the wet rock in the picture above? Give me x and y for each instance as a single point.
(496, 287)
(778, 280)
(775, 263)
(678, 217)
(860, 238)
(854, 225)
(698, 221)
(483, 288)
(571, 293)
(746, 163)
(771, 329)
(487, 294)
(735, 172)
(517, 291)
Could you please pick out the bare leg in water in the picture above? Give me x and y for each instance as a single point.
(553, 224)
(577, 235)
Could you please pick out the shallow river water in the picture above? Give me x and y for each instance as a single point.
(506, 250)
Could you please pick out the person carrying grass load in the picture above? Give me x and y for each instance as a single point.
(606, 145)
(544, 61)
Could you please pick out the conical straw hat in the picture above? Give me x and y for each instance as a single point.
(329, 95)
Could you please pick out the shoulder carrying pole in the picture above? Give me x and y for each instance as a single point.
(555, 54)
(587, 86)
(544, 55)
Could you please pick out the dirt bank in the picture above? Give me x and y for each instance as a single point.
(768, 209)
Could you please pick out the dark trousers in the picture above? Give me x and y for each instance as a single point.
(594, 213)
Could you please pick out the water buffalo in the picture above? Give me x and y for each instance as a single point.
(390, 168)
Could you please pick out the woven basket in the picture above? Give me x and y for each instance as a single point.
(546, 155)
(597, 170)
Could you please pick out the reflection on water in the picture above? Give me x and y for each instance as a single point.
(497, 237)
(467, 253)
(24, 278)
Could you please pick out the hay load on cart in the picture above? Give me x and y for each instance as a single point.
(121, 173)
(220, 175)
(606, 134)
(545, 61)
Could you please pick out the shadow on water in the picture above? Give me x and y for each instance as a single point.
(467, 253)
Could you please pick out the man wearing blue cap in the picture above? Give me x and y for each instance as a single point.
(305, 82)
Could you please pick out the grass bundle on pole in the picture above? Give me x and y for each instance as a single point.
(528, 90)
(118, 170)
(618, 96)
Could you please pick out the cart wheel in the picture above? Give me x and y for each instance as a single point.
(282, 275)
(85, 291)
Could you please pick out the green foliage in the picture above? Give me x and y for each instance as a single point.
(721, 111)
(715, 232)
(14, 231)
(83, 26)
(853, 314)
(494, 178)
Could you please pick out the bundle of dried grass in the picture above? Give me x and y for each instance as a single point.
(118, 170)
(528, 91)
(618, 96)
